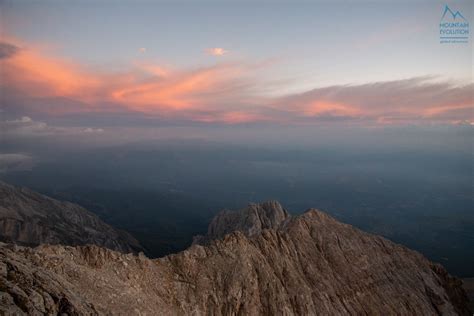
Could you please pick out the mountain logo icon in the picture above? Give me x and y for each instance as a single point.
(454, 15)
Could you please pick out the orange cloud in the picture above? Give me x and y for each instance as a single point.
(42, 75)
(411, 100)
(226, 93)
(146, 88)
(178, 91)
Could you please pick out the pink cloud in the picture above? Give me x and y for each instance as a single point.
(226, 93)
(416, 99)
(146, 88)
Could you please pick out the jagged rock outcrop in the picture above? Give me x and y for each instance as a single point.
(311, 265)
(30, 218)
(251, 220)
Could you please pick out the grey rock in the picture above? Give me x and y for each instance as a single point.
(29, 218)
(303, 265)
(251, 220)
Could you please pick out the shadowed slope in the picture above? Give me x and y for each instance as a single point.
(29, 218)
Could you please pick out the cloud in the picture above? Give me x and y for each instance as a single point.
(15, 162)
(191, 90)
(229, 93)
(232, 117)
(143, 88)
(216, 51)
(417, 99)
(7, 50)
(91, 130)
(29, 71)
(23, 119)
(25, 126)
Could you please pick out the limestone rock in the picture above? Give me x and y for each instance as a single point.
(251, 220)
(279, 265)
(29, 218)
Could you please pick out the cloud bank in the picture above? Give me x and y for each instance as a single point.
(224, 93)
(15, 162)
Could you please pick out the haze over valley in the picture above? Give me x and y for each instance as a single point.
(412, 186)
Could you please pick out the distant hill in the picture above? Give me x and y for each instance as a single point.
(29, 218)
(256, 261)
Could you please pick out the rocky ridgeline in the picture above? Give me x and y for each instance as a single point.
(251, 220)
(29, 218)
(261, 261)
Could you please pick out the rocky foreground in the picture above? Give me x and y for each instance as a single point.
(269, 264)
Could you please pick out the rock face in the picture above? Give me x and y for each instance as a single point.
(267, 264)
(468, 285)
(251, 220)
(29, 218)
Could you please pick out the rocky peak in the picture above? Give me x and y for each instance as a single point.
(269, 264)
(250, 220)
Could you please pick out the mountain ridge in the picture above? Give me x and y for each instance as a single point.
(312, 264)
(251, 220)
(29, 218)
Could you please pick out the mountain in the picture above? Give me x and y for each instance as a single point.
(251, 220)
(29, 218)
(266, 263)
(468, 285)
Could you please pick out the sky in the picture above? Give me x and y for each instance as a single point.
(89, 67)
